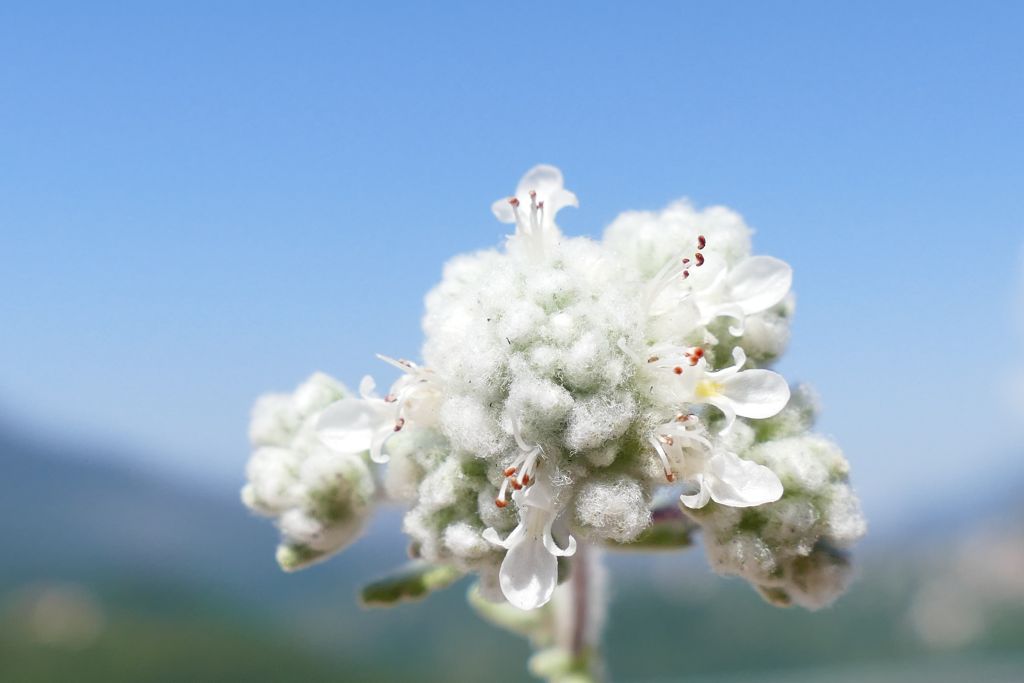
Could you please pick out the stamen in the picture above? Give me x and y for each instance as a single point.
(502, 492)
(399, 423)
(669, 474)
(701, 242)
(528, 466)
(700, 259)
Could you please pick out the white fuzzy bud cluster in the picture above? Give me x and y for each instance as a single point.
(792, 550)
(319, 499)
(565, 382)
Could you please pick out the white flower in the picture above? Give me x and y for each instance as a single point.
(690, 292)
(682, 375)
(729, 480)
(357, 425)
(709, 474)
(753, 286)
(320, 499)
(529, 572)
(682, 433)
(756, 394)
(542, 190)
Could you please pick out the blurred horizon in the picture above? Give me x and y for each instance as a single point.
(123, 575)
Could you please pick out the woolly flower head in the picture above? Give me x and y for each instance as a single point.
(566, 380)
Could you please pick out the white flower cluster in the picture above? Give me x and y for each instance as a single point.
(792, 550)
(319, 498)
(565, 380)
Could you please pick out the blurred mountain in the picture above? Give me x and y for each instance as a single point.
(75, 515)
(117, 575)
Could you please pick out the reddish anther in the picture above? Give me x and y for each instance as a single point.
(399, 423)
(678, 370)
(514, 202)
(526, 479)
(510, 471)
(501, 503)
(701, 241)
(700, 258)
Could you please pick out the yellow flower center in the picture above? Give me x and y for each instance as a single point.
(707, 388)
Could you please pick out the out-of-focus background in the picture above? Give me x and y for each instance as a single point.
(201, 202)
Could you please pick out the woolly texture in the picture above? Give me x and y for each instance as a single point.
(793, 550)
(319, 499)
(566, 381)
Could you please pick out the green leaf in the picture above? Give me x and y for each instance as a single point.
(414, 581)
(295, 557)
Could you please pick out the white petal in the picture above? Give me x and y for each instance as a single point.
(528, 574)
(699, 499)
(548, 183)
(552, 547)
(502, 210)
(380, 437)
(728, 410)
(759, 283)
(538, 496)
(740, 483)
(491, 536)
(348, 425)
(367, 387)
(756, 393)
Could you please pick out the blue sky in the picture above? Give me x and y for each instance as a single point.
(200, 202)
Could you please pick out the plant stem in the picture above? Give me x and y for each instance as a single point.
(582, 618)
(580, 600)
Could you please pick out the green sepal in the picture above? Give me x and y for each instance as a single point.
(414, 581)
